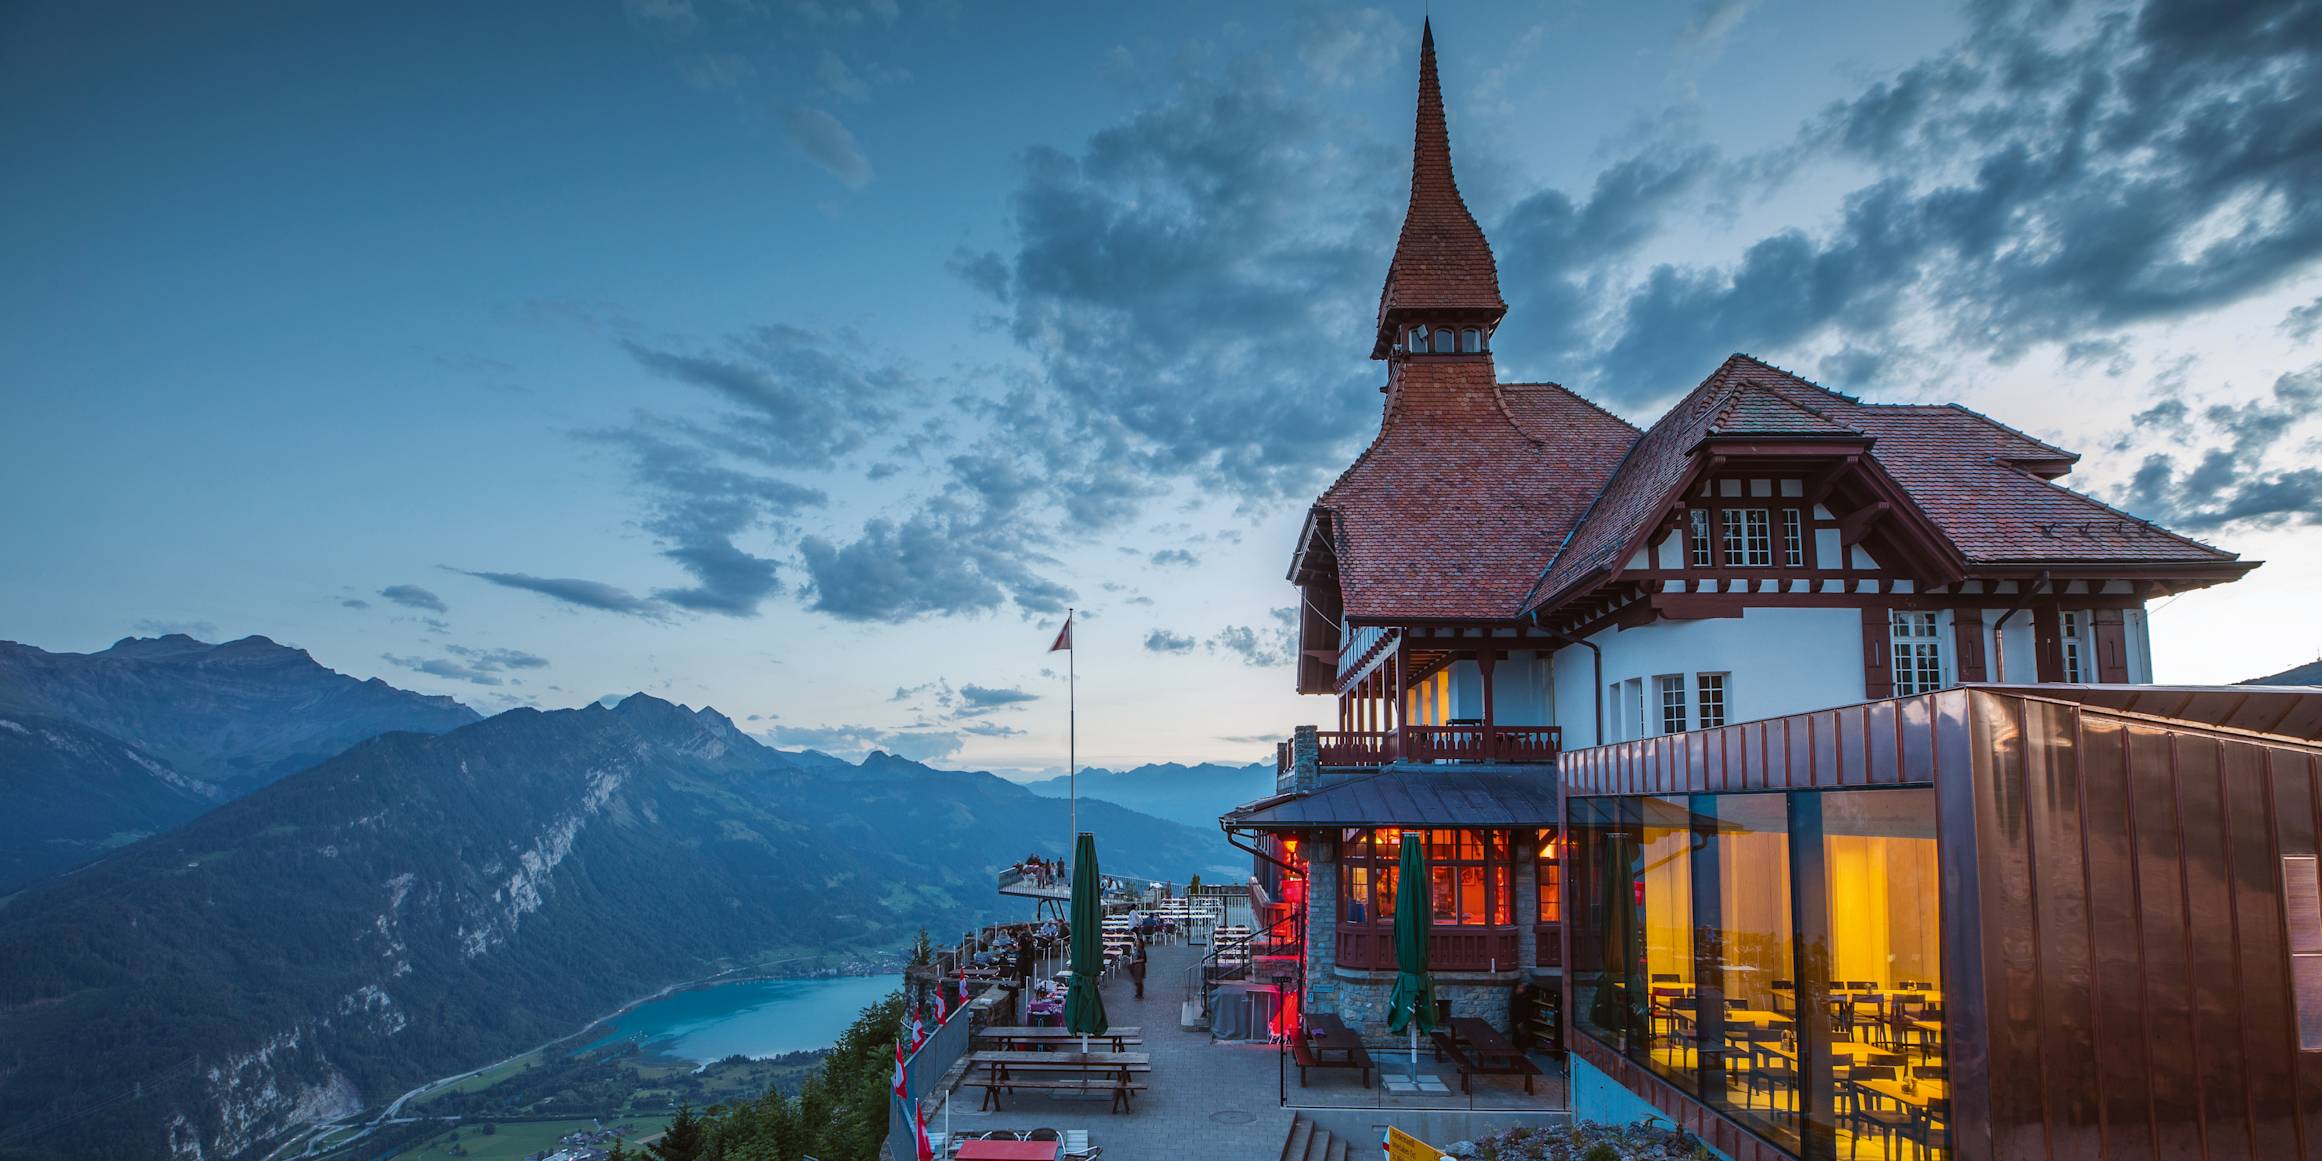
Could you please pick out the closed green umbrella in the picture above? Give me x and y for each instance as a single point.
(1084, 1009)
(1413, 1003)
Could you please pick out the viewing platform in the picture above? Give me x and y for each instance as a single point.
(1053, 882)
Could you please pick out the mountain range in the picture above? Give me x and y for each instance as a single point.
(99, 749)
(426, 902)
(1193, 795)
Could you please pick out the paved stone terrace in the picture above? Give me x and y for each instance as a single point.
(1215, 1099)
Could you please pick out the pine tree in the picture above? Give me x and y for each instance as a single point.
(682, 1140)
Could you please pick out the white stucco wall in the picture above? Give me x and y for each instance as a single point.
(1781, 661)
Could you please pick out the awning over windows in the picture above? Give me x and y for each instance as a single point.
(1451, 798)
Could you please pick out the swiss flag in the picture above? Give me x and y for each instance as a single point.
(918, 1031)
(1063, 637)
(919, 1125)
(942, 1010)
(899, 1093)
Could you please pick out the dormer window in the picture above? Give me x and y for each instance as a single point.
(1444, 341)
(1471, 341)
(1418, 341)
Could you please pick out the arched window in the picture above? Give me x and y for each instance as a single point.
(1418, 341)
(1471, 340)
(1444, 341)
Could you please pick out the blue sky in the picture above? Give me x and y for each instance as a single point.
(807, 357)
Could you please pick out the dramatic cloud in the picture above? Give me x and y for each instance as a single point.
(939, 699)
(2303, 321)
(977, 699)
(474, 666)
(587, 594)
(1164, 641)
(414, 597)
(1268, 647)
(828, 143)
(2053, 178)
(2232, 480)
(697, 508)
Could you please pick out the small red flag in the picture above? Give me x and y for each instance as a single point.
(926, 1146)
(1063, 637)
(899, 1093)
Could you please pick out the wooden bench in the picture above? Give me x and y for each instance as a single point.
(1476, 1048)
(1119, 1083)
(1356, 1057)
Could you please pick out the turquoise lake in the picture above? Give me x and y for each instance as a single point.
(750, 1017)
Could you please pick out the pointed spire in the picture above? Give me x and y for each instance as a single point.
(1442, 262)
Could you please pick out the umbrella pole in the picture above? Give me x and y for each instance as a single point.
(1414, 1053)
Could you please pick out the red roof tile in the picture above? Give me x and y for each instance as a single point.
(1442, 261)
(1959, 468)
(1457, 505)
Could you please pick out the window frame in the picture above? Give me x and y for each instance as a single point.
(1702, 551)
(1748, 538)
(1793, 538)
(1919, 662)
(1721, 681)
(1367, 853)
(1665, 685)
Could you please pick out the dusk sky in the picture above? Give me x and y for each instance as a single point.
(807, 358)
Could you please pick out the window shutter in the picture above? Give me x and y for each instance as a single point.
(1967, 635)
(1878, 656)
(2111, 647)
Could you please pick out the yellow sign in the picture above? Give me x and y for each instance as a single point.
(1402, 1146)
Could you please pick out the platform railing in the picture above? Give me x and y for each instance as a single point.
(1355, 749)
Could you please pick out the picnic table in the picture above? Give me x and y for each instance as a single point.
(1328, 1043)
(1025, 1036)
(1477, 1047)
(1068, 1071)
(989, 1150)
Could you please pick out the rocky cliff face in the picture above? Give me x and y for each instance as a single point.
(419, 905)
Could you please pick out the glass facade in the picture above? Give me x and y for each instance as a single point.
(1777, 954)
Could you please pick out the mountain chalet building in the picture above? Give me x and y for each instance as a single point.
(1802, 746)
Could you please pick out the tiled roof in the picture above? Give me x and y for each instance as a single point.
(1957, 466)
(1441, 260)
(1457, 505)
(1755, 410)
(1442, 797)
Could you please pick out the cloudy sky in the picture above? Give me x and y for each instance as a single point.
(807, 358)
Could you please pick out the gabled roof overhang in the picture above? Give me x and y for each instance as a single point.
(1840, 473)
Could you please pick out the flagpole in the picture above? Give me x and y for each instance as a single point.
(1072, 732)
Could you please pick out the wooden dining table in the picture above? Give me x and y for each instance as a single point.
(991, 1150)
(1010, 1036)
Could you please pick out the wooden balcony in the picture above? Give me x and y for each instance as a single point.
(1358, 749)
(1371, 947)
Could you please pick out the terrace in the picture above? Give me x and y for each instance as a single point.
(1212, 1098)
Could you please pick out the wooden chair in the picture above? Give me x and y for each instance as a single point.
(1766, 1068)
(1930, 1131)
(1862, 1115)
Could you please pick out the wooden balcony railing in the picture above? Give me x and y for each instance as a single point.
(1357, 748)
(1371, 947)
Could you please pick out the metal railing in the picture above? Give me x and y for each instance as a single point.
(923, 1072)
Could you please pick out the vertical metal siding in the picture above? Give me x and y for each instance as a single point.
(2115, 954)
